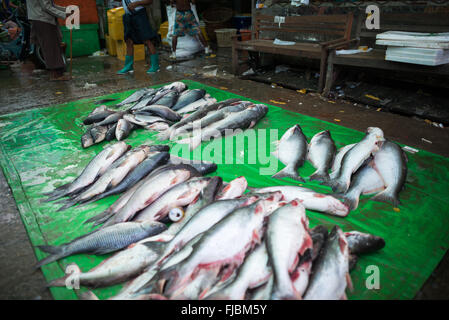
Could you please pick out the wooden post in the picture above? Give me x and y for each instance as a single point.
(71, 52)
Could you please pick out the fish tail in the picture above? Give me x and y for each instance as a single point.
(88, 295)
(55, 195)
(352, 202)
(69, 203)
(319, 176)
(56, 253)
(337, 186)
(100, 217)
(287, 172)
(387, 198)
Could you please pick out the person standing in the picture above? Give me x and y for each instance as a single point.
(46, 33)
(138, 31)
(186, 23)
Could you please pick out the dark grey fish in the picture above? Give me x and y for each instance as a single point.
(189, 97)
(87, 140)
(111, 119)
(137, 96)
(200, 113)
(110, 135)
(162, 111)
(360, 243)
(97, 116)
(245, 119)
(103, 241)
(168, 100)
(98, 133)
(123, 129)
(319, 236)
(106, 100)
(203, 167)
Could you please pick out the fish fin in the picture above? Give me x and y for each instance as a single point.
(351, 202)
(69, 203)
(56, 254)
(319, 176)
(288, 173)
(101, 251)
(56, 195)
(349, 282)
(387, 198)
(88, 295)
(99, 217)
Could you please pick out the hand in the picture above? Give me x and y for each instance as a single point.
(132, 6)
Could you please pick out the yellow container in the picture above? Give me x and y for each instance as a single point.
(115, 23)
(111, 46)
(139, 51)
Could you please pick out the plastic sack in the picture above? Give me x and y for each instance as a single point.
(187, 45)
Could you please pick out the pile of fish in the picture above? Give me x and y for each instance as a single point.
(374, 165)
(153, 109)
(228, 245)
(219, 233)
(188, 116)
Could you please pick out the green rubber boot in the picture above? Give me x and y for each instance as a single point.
(154, 63)
(129, 65)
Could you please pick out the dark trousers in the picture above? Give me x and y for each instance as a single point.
(48, 37)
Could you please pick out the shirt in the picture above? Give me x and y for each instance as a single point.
(125, 6)
(45, 11)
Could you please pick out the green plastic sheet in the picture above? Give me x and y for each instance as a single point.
(40, 150)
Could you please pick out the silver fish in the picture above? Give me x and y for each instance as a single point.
(87, 140)
(179, 196)
(331, 273)
(122, 266)
(321, 155)
(337, 161)
(161, 111)
(365, 181)
(123, 129)
(152, 188)
(391, 164)
(310, 199)
(96, 167)
(103, 241)
(113, 176)
(255, 271)
(356, 157)
(200, 113)
(188, 97)
(98, 133)
(292, 152)
(287, 241)
(137, 96)
(245, 119)
(233, 189)
(205, 101)
(225, 243)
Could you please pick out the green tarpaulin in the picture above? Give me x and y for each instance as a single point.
(40, 150)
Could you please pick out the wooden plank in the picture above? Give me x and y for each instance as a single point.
(311, 18)
(340, 33)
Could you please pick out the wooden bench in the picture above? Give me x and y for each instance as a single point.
(375, 59)
(311, 34)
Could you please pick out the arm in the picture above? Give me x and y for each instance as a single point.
(50, 9)
(134, 5)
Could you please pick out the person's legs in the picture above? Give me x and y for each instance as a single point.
(178, 31)
(174, 45)
(129, 59)
(47, 38)
(154, 57)
(204, 43)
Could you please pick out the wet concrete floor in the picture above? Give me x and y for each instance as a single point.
(23, 88)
